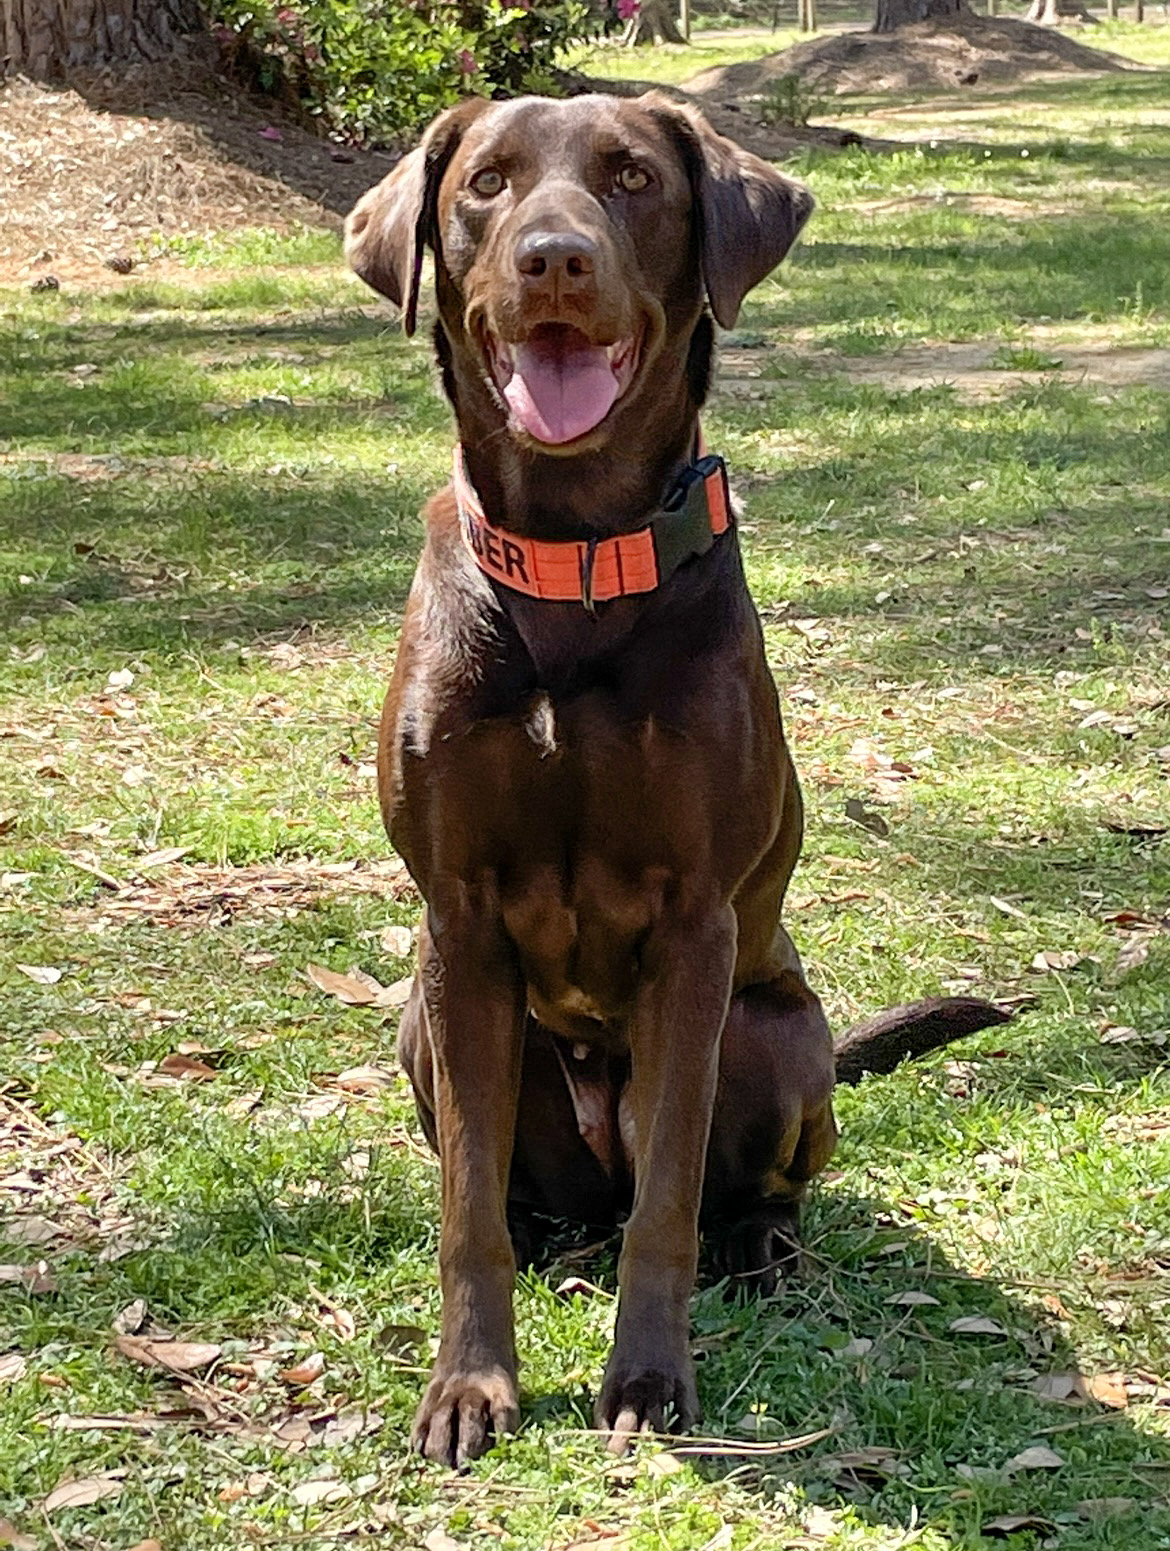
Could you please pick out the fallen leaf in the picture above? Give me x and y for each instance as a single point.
(1094, 1508)
(187, 1067)
(11, 1536)
(319, 1490)
(1136, 951)
(162, 858)
(439, 1540)
(346, 988)
(363, 1080)
(401, 1340)
(1109, 1389)
(31, 1231)
(1036, 1458)
(175, 1356)
(1119, 1034)
(396, 995)
(976, 1325)
(856, 810)
(82, 1494)
(1012, 1523)
(1059, 1386)
(13, 1366)
(305, 1372)
(120, 678)
(1050, 959)
(911, 1299)
(130, 1320)
(147, 1545)
(1006, 908)
(34, 1279)
(397, 941)
(350, 1423)
(665, 1464)
(43, 974)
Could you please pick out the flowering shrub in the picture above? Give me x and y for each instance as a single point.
(376, 70)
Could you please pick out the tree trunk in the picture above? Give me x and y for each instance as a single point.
(892, 14)
(654, 23)
(46, 39)
(1050, 13)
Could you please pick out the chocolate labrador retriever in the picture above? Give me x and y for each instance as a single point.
(582, 760)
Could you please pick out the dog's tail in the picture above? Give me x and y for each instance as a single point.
(882, 1042)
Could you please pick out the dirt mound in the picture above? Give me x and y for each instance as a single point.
(774, 142)
(90, 170)
(956, 52)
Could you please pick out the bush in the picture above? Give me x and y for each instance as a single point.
(374, 71)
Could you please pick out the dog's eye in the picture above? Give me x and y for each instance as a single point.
(488, 183)
(633, 178)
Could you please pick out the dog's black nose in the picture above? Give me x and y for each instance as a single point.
(555, 256)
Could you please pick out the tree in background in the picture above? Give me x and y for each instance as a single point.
(892, 14)
(49, 39)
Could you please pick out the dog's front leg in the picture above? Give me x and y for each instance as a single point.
(674, 1045)
(475, 1017)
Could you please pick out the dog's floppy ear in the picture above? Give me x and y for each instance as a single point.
(390, 226)
(749, 214)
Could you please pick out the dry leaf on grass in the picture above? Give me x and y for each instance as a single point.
(1049, 960)
(856, 810)
(12, 1367)
(911, 1299)
(1066, 1387)
(365, 1081)
(1036, 1458)
(174, 1356)
(397, 941)
(306, 1372)
(1109, 1389)
(83, 1493)
(130, 1320)
(1096, 1508)
(34, 1279)
(357, 989)
(976, 1325)
(439, 1540)
(147, 1545)
(320, 1489)
(1005, 1524)
(11, 1536)
(43, 974)
(190, 1067)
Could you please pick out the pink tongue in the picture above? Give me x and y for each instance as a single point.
(558, 394)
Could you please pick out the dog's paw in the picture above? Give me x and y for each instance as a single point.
(761, 1250)
(651, 1399)
(462, 1415)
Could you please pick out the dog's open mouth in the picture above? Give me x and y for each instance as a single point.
(557, 384)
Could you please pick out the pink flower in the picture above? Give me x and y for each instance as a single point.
(467, 64)
(628, 9)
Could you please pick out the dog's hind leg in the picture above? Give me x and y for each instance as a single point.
(772, 1131)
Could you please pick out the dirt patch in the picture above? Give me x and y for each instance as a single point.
(774, 142)
(89, 171)
(970, 368)
(960, 51)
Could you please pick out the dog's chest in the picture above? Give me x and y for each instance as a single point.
(588, 818)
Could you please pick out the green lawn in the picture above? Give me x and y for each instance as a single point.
(208, 497)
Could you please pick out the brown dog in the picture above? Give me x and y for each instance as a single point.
(582, 761)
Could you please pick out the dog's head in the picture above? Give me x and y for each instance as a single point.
(576, 246)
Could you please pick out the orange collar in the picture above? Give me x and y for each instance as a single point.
(695, 513)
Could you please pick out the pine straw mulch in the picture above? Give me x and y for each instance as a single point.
(958, 51)
(92, 170)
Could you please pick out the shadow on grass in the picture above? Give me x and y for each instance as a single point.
(924, 1376)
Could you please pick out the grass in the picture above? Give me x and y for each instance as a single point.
(208, 522)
